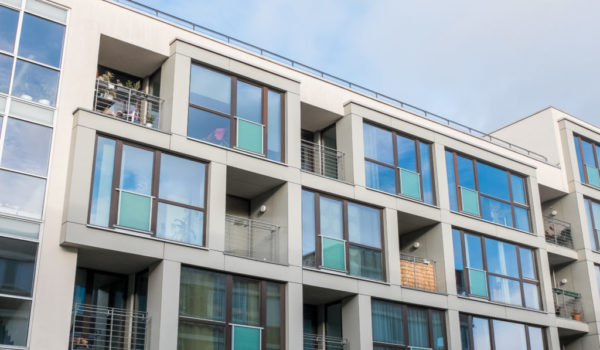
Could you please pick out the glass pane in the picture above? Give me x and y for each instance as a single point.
(208, 126)
(505, 290)
(136, 170)
(437, 321)
(522, 219)
(17, 263)
(202, 294)
(35, 83)
(469, 201)
(532, 299)
(466, 178)
(481, 334)
(593, 175)
(5, 70)
(19, 228)
(407, 155)
(588, 153)
(134, 211)
(364, 225)
(378, 144)
(210, 89)
(527, 263)
(458, 262)
(182, 180)
(410, 184)
(496, 211)
(478, 283)
(21, 195)
(465, 331)
(249, 102)
(8, 28)
(387, 322)
(32, 112)
(14, 316)
(473, 252)
(493, 181)
(274, 126)
(501, 258)
(273, 330)
(333, 320)
(426, 173)
(249, 136)
(365, 262)
(536, 338)
(245, 338)
(331, 217)
(41, 40)
(518, 189)
(579, 159)
(200, 336)
(508, 335)
(334, 254)
(245, 302)
(103, 182)
(47, 10)
(180, 224)
(26, 147)
(451, 181)
(418, 330)
(380, 177)
(308, 229)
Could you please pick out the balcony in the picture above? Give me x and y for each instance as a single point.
(106, 328)
(558, 232)
(568, 304)
(417, 273)
(321, 342)
(322, 160)
(127, 103)
(254, 239)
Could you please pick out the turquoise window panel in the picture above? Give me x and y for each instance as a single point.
(249, 136)
(134, 211)
(245, 338)
(334, 253)
(593, 176)
(478, 283)
(410, 183)
(469, 200)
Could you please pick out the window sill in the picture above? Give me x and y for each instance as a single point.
(342, 274)
(424, 290)
(590, 186)
(403, 197)
(501, 304)
(478, 218)
(326, 177)
(237, 150)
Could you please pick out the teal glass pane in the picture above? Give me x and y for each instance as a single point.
(410, 184)
(134, 211)
(245, 338)
(478, 283)
(593, 176)
(249, 136)
(470, 201)
(334, 254)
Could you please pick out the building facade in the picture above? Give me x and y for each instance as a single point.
(163, 186)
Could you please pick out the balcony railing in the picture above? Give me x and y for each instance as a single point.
(106, 328)
(255, 240)
(128, 104)
(417, 272)
(321, 342)
(322, 160)
(558, 232)
(568, 304)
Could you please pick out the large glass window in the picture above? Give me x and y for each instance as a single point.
(495, 270)
(8, 28)
(588, 160)
(593, 218)
(483, 190)
(230, 112)
(26, 147)
(221, 311)
(149, 191)
(398, 164)
(396, 326)
(478, 333)
(341, 235)
(41, 40)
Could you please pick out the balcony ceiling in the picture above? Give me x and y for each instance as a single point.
(127, 58)
(314, 118)
(245, 184)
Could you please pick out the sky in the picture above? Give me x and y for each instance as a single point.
(480, 63)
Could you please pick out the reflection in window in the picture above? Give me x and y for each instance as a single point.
(35, 83)
(41, 40)
(593, 218)
(478, 333)
(14, 316)
(5, 69)
(26, 147)
(588, 160)
(17, 262)
(203, 125)
(21, 195)
(8, 28)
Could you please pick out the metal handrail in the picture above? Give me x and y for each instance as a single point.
(419, 277)
(322, 342)
(255, 239)
(322, 160)
(558, 232)
(335, 80)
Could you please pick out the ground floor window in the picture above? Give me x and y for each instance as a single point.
(478, 333)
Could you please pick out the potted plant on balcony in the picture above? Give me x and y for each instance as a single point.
(150, 120)
(107, 92)
(576, 314)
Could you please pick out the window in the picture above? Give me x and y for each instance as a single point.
(494, 194)
(396, 326)
(398, 164)
(341, 235)
(588, 160)
(228, 111)
(478, 333)
(593, 218)
(220, 311)
(148, 191)
(597, 269)
(495, 270)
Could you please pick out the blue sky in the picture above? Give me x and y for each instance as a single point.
(481, 63)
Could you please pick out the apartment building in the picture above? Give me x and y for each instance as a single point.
(163, 186)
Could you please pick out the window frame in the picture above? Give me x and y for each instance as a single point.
(520, 279)
(491, 330)
(232, 116)
(227, 323)
(580, 156)
(115, 187)
(417, 141)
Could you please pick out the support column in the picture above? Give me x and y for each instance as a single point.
(356, 322)
(163, 304)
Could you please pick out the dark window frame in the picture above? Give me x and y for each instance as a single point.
(395, 166)
(491, 330)
(226, 324)
(580, 156)
(232, 116)
(116, 178)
